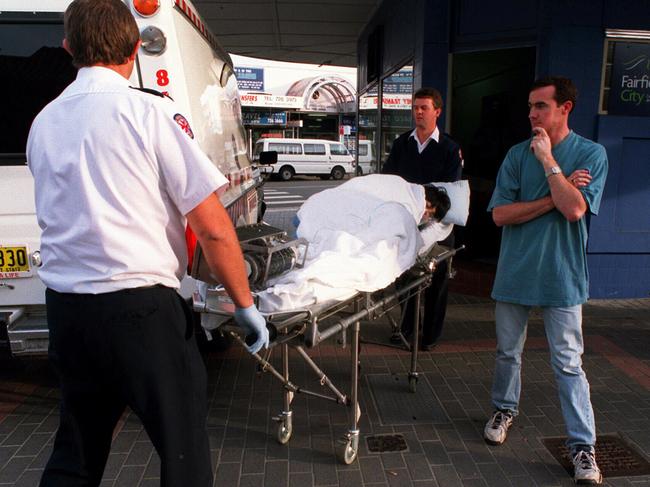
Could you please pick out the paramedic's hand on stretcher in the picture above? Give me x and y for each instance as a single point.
(253, 323)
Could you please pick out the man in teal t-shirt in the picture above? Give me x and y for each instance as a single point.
(544, 189)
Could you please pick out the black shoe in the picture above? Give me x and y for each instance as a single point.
(428, 347)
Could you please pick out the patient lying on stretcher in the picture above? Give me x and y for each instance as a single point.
(362, 235)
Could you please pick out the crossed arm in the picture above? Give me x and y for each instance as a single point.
(565, 195)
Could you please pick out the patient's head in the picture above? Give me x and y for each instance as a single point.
(438, 202)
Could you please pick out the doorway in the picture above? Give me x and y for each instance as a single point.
(489, 114)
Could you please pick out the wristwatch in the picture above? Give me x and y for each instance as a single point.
(552, 171)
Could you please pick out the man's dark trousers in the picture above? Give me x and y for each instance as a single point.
(131, 348)
(435, 307)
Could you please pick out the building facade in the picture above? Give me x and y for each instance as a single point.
(290, 100)
(483, 56)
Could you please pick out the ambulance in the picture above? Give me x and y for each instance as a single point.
(179, 57)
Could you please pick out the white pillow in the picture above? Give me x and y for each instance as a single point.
(458, 193)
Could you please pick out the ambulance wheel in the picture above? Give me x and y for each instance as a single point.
(338, 173)
(286, 173)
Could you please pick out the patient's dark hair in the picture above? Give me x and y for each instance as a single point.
(439, 199)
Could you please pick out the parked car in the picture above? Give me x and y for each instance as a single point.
(316, 157)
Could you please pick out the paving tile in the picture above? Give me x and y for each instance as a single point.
(227, 474)
(139, 454)
(300, 459)
(372, 469)
(277, 473)
(399, 477)
(349, 478)
(435, 453)
(418, 466)
(251, 480)
(129, 475)
(301, 479)
(13, 469)
(254, 461)
(446, 476)
(29, 478)
(464, 465)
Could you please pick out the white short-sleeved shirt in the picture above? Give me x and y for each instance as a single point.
(116, 170)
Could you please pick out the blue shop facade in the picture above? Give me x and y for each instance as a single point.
(483, 56)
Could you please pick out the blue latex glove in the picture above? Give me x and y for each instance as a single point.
(254, 325)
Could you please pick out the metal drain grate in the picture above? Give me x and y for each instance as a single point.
(386, 443)
(614, 456)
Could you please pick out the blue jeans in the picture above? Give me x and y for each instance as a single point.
(564, 334)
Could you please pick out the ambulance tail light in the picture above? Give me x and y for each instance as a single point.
(146, 8)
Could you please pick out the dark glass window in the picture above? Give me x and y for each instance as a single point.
(34, 69)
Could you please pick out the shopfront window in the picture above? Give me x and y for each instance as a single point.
(397, 90)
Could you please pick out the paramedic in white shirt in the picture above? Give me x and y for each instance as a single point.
(117, 176)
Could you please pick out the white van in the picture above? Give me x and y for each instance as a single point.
(366, 162)
(179, 56)
(315, 157)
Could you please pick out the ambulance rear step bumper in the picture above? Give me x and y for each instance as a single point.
(27, 332)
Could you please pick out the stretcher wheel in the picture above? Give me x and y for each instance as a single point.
(284, 432)
(413, 383)
(346, 453)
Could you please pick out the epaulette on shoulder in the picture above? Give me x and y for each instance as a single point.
(152, 92)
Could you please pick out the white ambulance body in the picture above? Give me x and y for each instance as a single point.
(191, 67)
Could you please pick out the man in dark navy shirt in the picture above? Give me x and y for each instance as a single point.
(425, 155)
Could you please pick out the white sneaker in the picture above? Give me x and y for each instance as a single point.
(586, 471)
(496, 429)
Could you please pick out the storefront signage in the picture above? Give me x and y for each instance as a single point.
(274, 118)
(273, 101)
(629, 92)
(400, 82)
(390, 102)
(250, 79)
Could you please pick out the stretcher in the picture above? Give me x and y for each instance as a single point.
(308, 327)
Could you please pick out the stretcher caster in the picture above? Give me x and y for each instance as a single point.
(285, 428)
(348, 448)
(413, 383)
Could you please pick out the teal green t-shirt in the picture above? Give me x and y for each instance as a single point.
(543, 262)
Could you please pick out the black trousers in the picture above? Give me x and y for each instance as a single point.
(435, 307)
(132, 348)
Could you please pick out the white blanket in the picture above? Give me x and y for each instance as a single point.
(362, 235)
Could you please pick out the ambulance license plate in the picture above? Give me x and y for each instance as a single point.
(14, 262)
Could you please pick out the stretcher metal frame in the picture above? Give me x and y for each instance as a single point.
(307, 328)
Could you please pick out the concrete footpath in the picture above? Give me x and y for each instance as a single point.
(440, 424)
(437, 430)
